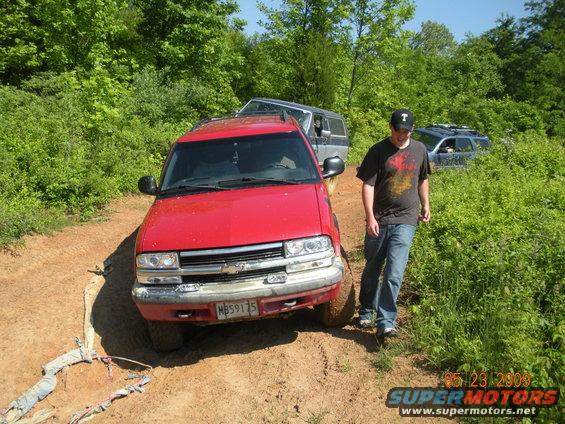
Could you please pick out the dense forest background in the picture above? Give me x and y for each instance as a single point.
(93, 92)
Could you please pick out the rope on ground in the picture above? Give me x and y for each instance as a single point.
(149, 367)
(84, 353)
(88, 413)
(90, 292)
(45, 386)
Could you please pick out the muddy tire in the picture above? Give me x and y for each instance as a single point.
(339, 311)
(165, 336)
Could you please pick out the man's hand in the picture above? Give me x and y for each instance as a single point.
(425, 214)
(372, 226)
(424, 194)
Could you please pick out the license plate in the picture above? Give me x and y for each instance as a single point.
(243, 308)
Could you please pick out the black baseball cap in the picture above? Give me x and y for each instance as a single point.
(402, 118)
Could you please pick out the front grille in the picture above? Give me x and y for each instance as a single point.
(232, 278)
(246, 254)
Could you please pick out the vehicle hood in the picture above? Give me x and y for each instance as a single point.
(230, 218)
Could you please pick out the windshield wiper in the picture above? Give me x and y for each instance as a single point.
(258, 180)
(189, 188)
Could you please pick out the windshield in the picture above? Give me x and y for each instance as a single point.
(268, 159)
(303, 117)
(429, 140)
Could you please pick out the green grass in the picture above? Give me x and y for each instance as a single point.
(317, 417)
(344, 365)
(383, 361)
(488, 269)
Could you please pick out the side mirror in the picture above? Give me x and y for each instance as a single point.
(147, 185)
(326, 133)
(332, 167)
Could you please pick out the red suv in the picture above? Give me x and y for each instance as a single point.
(241, 228)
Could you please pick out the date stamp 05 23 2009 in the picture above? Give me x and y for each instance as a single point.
(475, 393)
(483, 379)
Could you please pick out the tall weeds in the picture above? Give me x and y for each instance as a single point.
(489, 268)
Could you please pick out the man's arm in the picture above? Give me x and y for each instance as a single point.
(424, 194)
(368, 196)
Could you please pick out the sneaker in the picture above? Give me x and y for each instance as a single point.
(365, 322)
(387, 332)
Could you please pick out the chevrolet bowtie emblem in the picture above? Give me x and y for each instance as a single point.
(232, 268)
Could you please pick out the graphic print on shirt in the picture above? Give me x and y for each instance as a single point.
(401, 167)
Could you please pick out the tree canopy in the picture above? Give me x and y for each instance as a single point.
(345, 54)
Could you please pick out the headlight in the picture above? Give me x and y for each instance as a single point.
(159, 260)
(307, 246)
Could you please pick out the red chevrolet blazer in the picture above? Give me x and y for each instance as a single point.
(241, 228)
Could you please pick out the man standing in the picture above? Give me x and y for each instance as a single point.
(395, 196)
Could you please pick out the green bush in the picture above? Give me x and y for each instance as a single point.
(496, 117)
(366, 127)
(489, 267)
(70, 143)
(27, 214)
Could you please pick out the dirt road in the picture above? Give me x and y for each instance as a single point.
(275, 371)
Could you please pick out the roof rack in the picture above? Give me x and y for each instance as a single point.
(451, 127)
(456, 129)
(282, 114)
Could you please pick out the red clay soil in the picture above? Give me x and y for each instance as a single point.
(289, 370)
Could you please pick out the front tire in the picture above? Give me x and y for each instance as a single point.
(165, 336)
(339, 311)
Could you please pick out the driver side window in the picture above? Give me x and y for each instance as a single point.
(448, 146)
(318, 119)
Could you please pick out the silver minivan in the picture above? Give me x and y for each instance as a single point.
(450, 145)
(326, 130)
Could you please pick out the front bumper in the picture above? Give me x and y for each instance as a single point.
(184, 303)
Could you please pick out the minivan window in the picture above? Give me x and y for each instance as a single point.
(482, 143)
(336, 127)
(318, 125)
(430, 141)
(243, 161)
(463, 145)
(302, 117)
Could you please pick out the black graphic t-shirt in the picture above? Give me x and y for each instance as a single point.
(395, 174)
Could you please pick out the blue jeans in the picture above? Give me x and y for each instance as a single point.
(391, 248)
